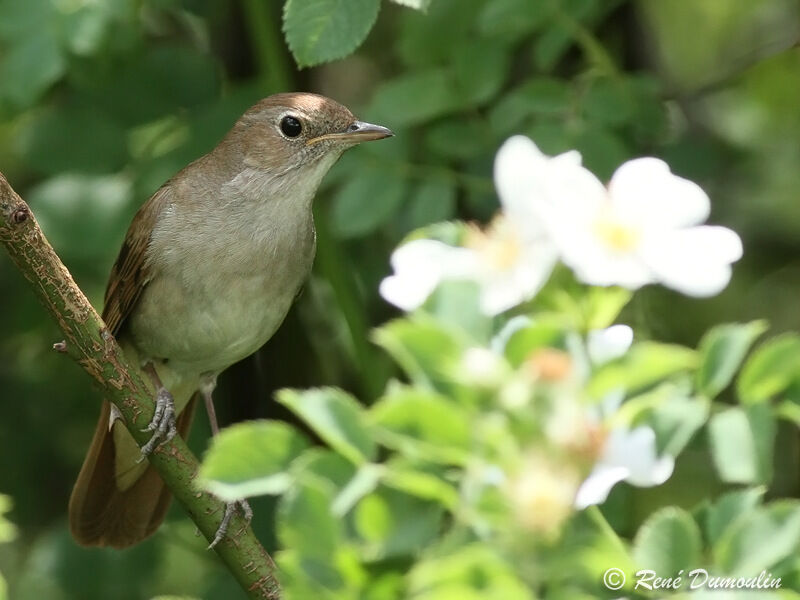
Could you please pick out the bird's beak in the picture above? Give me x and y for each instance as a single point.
(356, 133)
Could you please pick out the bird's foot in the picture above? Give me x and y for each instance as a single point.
(162, 424)
(230, 509)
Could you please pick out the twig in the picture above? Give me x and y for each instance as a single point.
(88, 342)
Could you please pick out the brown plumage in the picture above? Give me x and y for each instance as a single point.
(209, 267)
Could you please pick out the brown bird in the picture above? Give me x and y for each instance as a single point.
(208, 270)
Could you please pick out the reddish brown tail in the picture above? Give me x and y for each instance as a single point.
(102, 515)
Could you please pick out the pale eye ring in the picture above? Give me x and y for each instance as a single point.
(291, 126)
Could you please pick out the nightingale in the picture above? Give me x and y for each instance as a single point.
(209, 267)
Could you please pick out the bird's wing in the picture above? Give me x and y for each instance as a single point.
(131, 271)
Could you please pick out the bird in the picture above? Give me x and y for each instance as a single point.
(209, 267)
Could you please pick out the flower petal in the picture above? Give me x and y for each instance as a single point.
(419, 267)
(694, 261)
(646, 191)
(598, 485)
(607, 344)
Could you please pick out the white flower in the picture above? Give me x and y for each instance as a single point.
(419, 266)
(510, 260)
(643, 229)
(628, 455)
(607, 344)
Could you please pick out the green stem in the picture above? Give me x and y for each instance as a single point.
(596, 516)
(593, 48)
(267, 46)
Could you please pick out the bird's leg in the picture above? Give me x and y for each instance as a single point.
(163, 422)
(207, 389)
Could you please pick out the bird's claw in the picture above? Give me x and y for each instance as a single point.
(230, 509)
(162, 424)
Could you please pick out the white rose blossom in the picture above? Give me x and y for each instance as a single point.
(510, 260)
(644, 228)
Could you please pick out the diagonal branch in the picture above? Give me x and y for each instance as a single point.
(89, 343)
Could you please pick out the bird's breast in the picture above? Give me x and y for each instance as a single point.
(222, 287)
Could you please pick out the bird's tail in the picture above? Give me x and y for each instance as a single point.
(118, 501)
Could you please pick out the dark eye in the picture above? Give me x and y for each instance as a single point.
(291, 127)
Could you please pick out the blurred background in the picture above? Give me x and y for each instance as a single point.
(101, 101)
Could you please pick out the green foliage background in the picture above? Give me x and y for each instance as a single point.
(100, 102)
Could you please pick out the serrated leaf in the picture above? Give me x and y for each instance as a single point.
(249, 459)
(771, 368)
(760, 539)
(742, 444)
(667, 542)
(334, 416)
(319, 31)
(722, 350)
(728, 508)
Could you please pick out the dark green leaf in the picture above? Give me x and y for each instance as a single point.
(730, 507)
(770, 369)
(722, 350)
(366, 202)
(742, 444)
(319, 31)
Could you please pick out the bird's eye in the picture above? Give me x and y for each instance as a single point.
(291, 126)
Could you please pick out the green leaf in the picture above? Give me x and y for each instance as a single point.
(760, 539)
(770, 369)
(535, 336)
(742, 444)
(392, 523)
(363, 482)
(469, 572)
(540, 96)
(458, 138)
(305, 522)
(249, 459)
(404, 476)
(667, 542)
(366, 202)
(676, 419)
(48, 142)
(8, 530)
(425, 349)
(431, 201)
(32, 64)
(511, 19)
(319, 31)
(423, 425)
(722, 350)
(334, 416)
(602, 305)
(643, 365)
(480, 69)
(415, 97)
(730, 507)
